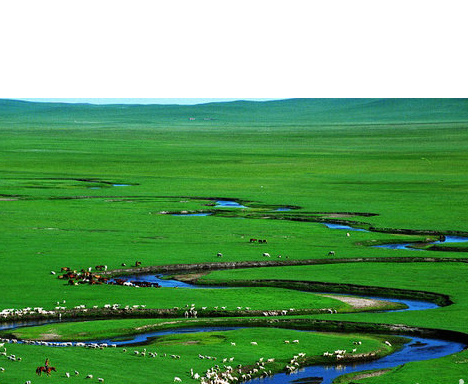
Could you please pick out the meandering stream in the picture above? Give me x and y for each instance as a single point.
(417, 349)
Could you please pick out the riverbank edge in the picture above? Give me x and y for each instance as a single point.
(301, 324)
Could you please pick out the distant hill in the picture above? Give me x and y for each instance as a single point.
(277, 112)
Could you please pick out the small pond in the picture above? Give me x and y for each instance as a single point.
(228, 204)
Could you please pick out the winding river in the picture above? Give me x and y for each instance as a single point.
(416, 349)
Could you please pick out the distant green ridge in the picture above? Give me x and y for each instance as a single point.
(289, 111)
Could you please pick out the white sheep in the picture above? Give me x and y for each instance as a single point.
(177, 379)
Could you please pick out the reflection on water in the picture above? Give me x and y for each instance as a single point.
(407, 246)
(342, 226)
(416, 349)
(229, 204)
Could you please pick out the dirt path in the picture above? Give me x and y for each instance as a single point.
(359, 302)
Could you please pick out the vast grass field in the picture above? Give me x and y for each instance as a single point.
(84, 185)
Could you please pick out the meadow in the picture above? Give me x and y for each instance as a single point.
(84, 185)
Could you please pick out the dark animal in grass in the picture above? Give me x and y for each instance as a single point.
(47, 370)
(137, 263)
(253, 240)
(331, 253)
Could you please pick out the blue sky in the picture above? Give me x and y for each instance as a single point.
(183, 101)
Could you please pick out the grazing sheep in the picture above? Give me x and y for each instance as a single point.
(219, 254)
(177, 379)
(331, 253)
(253, 343)
(67, 374)
(89, 376)
(77, 373)
(100, 379)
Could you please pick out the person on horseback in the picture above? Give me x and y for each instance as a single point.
(46, 364)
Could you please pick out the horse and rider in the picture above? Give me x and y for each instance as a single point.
(46, 368)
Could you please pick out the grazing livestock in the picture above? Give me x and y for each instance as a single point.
(331, 253)
(219, 254)
(253, 240)
(265, 254)
(177, 379)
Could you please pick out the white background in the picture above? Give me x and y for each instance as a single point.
(235, 49)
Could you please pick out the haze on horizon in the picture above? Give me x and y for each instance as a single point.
(146, 101)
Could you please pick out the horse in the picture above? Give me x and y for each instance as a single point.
(47, 370)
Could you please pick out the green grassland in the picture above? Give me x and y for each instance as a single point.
(402, 160)
(114, 364)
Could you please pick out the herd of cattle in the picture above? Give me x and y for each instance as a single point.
(84, 276)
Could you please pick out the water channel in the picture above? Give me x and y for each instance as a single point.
(417, 349)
